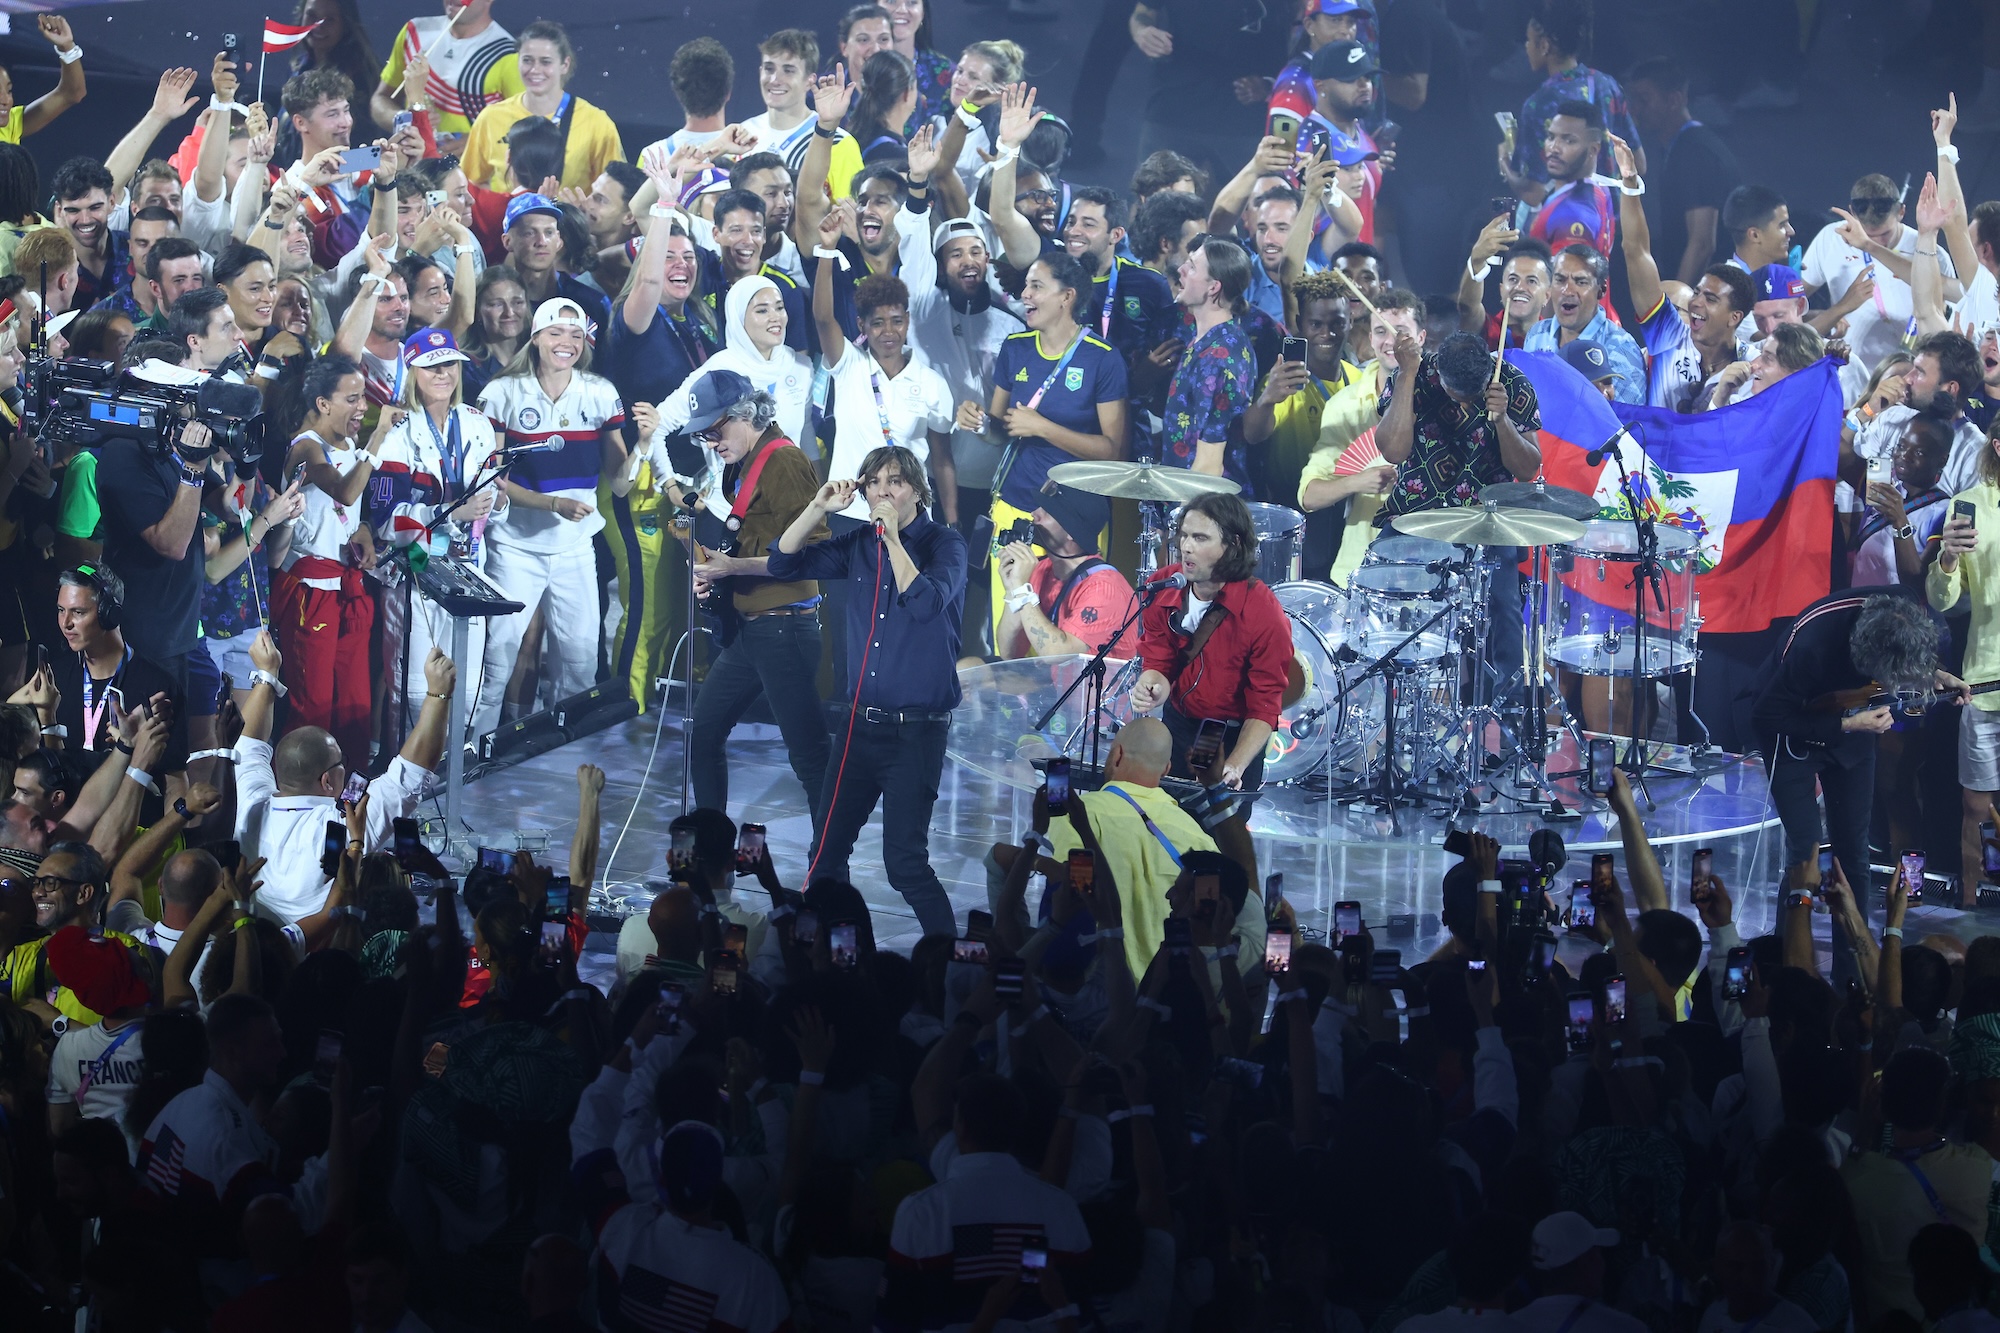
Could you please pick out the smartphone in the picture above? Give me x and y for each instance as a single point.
(841, 942)
(1826, 863)
(434, 1059)
(1700, 867)
(1179, 936)
(680, 849)
(435, 198)
(1989, 850)
(736, 938)
(1582, 907)
(750, 844)
(1007, 974)
(1386, 134)
(1603, 871)
(1207, 892)
(407, 842)
(1082, 870)
(492, 858)
(969, 951)
(229, 853)
(1207, 745)
(667, 1008)
(1502, 205)
(402, 121)
(1963, 509)
(1384, 967)
(805, 926)
(326, 1057)
(357, 783)
(1274, 890)
(229, 40)
(1057, 780)
(555, 938)
(1284, 125)
(555, 906)
(1245, 1074)
(1913, 871)
(1292, 349)
(1736, 974)
(1346, 920)
(365, 158)
(1603, 759)
(1277, 952)
(1614, 999)
(1476, 966)
(1582, 1022)
(978, 925)
(722, 977)
(1034, 1263)
(1541, 957)
(331, 849)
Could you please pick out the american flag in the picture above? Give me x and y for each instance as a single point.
(657, 1303)
(989, 1251)
(163, 1165)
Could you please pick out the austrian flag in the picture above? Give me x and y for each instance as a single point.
(284, 36)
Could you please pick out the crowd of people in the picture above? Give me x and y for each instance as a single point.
(800, 379)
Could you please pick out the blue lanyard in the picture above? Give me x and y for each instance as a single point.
(1110, 302)
(882, 408)
(1034, 404)
(96, 1068)
(1151, 827)
(451, 450)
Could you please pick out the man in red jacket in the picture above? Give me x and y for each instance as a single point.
(1216, 652)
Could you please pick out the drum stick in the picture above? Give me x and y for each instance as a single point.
(1348, 283)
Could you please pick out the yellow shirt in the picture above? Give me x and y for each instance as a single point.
(11, 131)
(846, 164)
(1350, 413)
(1297, 427)
(1976, 578)
(25, 975)
(1141, 866)
(593, 141)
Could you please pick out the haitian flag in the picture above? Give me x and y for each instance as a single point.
(1752, 483)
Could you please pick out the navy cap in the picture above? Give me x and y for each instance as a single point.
(713, 395)
(1587, 358)
(1343, 62)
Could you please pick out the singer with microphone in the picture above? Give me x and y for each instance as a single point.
(1216, 646)
(905, 577)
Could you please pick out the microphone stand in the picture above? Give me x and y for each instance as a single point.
(1645, 575)
(1093, 671)
(1382, 793)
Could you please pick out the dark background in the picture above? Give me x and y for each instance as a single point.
(1869, 74)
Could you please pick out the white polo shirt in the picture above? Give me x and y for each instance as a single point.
(871, 408)
(520, 411)
(1876, 329)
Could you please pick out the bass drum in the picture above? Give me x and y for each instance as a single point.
(1318, 725)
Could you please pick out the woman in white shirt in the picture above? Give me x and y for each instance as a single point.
(430, 460)
(753, 327)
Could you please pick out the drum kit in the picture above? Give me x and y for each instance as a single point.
(1405, 703)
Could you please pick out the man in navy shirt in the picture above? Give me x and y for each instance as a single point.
(905, 578)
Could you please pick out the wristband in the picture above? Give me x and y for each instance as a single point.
(967, 116)
(219, 103)
(1904, 533)
(1892, 932)
(262, 677)
(1040, 841)
(1006, 154)
(56, 730)
(780, 913)
(144, 779)
(811, 1078)
(1041, 1012)
(279, 225)
(1489, 886)
(1640, 189)
(1478, 274)
(1949, 152)
(181, 807)
(663, 210)
(468, 251)
(71, 56)
(1228, 950)
(1421, 1011)
(821, 252)
(825, 133)
(375, 278)
(227, 756)
(1019, 598)
(122, 748)
(579, 993)
(240, 922)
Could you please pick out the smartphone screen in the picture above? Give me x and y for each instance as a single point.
(1614, 1000)
(1277, 952)
(492, 858)
(978, 925)
(555, 937)
(1582, 1017)
(1034, 1263)
(969, 951)
(357, 783)
(750, 840)
(1082, 870)
(403, 118)
(326, 1057)
(1913, 868)
(1701, 866)
(228, 853)
(1582, 908)
(841, 943)
(1736, 974)
(1057, 779)
(1603, 758)
(1826, 863)
(680, 849)
(1347, 920)
(805, 926)
(1007, 974)
(434, 1059)
(1542, 955)
(407, 840)
(735, 938)
(1603, 871)
(556, 906)
(722, 978)
(667, 1009)
(1476, 966)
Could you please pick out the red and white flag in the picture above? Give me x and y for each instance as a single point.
(284, 36)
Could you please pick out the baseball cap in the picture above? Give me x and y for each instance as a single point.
(1563, 1238)
(1350, 155)
(523, 204)
(690, 1164)
(99, 972)
(1343, 62)
(1081, 514)
(20, 861)
(1775, 282)
(431, 347)
(1330, 8)
(956, 229)
(1586, 356)
(559, 310)
(712, 396)
(709, 180)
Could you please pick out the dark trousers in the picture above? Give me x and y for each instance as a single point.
(1184, 729)
(899, 764)
(1849, 792)
(1109, 42)
(777, 657)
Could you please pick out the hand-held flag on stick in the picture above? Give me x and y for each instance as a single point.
(278, 38)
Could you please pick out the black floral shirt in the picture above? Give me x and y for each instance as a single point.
(1456, 450)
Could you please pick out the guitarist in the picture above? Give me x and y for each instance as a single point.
(1820, 712)
(770, 626)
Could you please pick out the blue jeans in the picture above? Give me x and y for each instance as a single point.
(777, 657)
(900, 764)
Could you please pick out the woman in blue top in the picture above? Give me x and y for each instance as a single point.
(1059, 395)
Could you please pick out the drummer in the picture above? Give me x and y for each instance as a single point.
(1453, 421)
(1349, 422)
(1068, 601)
(1059, 394)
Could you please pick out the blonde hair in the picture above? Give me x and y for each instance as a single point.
(528, 361)
(413, 399)
(1007, 58)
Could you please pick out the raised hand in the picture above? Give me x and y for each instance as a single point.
(1017, 114)
(836, 496)
(923, 153)
(1627, 160)
(55, 30)
(222, 76)
(1945, 121)
(174, 97)
(1931, 212)
(832, 96)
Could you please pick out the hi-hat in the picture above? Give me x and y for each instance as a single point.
(1542, 498)
(1139, 481)
(1489, 525)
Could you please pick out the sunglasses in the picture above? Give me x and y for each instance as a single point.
(1871, 208)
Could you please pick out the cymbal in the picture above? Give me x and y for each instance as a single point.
(1139, 481)
(1542, 498)
(1489, 525)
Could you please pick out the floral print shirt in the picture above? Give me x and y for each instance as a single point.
(933, 91)
(1456, 450)
(1213, 386)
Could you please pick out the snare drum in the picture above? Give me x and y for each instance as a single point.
(1396, 548)
(1281, 542)
(1388, 603)
(1591, 612)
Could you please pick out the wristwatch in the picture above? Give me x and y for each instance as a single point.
(181, 808)
(1904, 533)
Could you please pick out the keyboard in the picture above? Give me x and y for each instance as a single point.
(462, 590)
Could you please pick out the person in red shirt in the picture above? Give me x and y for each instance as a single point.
(1219, 649)
(1069, 601)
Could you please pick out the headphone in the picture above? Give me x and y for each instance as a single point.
(109, 606)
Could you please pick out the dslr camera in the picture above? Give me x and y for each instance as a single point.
(85, 403)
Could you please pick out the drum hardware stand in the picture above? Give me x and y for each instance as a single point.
(1645, 575)
(1093, 671)
(1385, 796)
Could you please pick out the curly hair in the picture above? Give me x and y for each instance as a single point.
(878, 290)
(1895, 641)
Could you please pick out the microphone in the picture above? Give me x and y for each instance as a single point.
(1546, 850)
(1163, 582)
(534, 447)
(881, 533)
(1610, 447)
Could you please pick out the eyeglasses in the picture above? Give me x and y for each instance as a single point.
(710, 437)
(41, 883)
(1871, 208)
(1036, 197)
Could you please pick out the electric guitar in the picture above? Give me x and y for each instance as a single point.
(1862, 698)
(719, 605)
